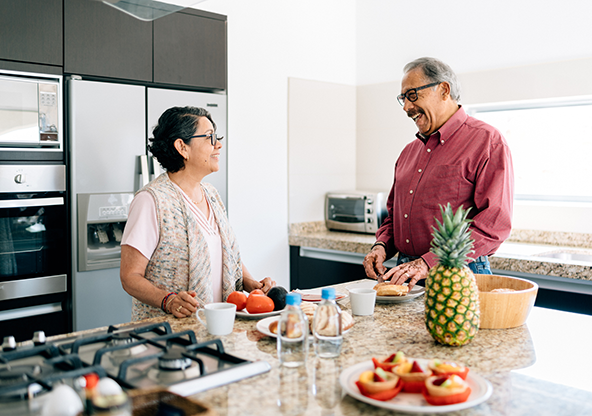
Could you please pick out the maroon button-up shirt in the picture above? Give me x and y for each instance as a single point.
(467, 162)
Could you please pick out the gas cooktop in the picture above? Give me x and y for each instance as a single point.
(137, 356)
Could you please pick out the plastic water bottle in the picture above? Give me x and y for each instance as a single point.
(327, 326)
(292, 340)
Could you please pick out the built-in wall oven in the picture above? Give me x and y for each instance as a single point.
(35, 293)
(34, 250)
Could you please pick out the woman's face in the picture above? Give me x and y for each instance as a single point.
(200, 156)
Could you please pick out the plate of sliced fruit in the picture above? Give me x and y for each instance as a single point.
(415, 386)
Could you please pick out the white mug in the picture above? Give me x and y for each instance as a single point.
(219, 317)
(362, 301)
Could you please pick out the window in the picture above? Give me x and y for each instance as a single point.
(551, 144)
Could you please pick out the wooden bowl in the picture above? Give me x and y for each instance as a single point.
(504, 309)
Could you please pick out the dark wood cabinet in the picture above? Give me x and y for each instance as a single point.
(92, 39)
(100, 40)
(309, 273)
(190, 49)
(31, 31)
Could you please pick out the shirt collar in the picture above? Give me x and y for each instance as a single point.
(448, 129)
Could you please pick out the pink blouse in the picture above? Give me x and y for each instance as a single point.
(141, 232)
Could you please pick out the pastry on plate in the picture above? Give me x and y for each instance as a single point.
(445, 390)
(413, 375)
(387, 289)
(390, 362)
(379, 384)
(448, 368)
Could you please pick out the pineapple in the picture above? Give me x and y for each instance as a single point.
(452, 297)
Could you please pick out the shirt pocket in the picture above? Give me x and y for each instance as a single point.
(442, 185)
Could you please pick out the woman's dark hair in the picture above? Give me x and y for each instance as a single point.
(175, 123)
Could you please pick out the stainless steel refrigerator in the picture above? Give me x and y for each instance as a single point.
(108, 128)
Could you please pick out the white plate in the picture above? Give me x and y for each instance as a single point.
(481, 389)
(246, 315)
(317, 292)
(369, 284)
(263, 326)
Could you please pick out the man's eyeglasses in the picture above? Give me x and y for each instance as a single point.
(411, 94)
(212, 136)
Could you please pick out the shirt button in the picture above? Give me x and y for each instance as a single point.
(407, 241)
(411, 191)
(406, 215)
(429, 150)
(419, 170)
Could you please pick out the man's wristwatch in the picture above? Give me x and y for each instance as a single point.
(379, 243)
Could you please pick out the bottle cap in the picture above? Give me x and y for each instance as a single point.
(328, 293)
(293, 299)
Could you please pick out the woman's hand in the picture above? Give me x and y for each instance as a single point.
(250, 284)
(183, 304)
(264, 285)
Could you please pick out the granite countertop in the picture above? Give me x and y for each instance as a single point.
(525, 251)
(539, 368)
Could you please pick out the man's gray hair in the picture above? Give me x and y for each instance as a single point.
(436, 71)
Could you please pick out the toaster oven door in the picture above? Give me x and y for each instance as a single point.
(345, 212)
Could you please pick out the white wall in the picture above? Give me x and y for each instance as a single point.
(321, 145)
(364, 43)
(469, 35)
(270, 41)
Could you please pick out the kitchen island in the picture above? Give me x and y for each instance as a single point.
(540, 368)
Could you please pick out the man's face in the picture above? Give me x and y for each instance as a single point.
(428, 112)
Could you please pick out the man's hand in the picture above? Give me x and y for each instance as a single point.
(413, 271)
(373, 262)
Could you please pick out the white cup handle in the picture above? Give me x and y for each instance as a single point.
(199, 319)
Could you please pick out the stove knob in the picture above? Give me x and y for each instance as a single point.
(9, 344)
(39, 338)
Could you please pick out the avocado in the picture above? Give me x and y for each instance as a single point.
(278, 295)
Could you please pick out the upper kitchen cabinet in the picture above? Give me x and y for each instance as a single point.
(100, 40)
(41, 41)
(190, 49)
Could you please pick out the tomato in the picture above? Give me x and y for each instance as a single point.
(239, 299)
(257, 292)
(259, 304)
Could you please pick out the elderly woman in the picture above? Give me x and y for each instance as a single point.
(178, 250)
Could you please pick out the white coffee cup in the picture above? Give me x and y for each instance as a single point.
(219, 317)
(362, 301)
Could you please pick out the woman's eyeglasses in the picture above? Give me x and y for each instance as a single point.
(212, 136)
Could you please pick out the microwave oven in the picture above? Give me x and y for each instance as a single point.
(30, 112)
(356, 211)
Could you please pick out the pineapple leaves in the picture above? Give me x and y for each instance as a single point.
(452, 241)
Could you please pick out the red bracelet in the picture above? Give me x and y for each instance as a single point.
(165, 300)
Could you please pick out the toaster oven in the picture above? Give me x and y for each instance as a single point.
(356, 211)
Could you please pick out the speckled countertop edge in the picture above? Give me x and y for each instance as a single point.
(521, 253)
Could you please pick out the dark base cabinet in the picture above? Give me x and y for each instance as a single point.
(564, 301)
(308, 273)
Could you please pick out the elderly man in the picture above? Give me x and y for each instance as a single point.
(456, 159)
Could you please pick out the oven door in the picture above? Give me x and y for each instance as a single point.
(345, 212)
(29, 113)
(34, 264)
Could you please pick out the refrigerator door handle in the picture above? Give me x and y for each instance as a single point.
(145, 179)
(156, 168)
